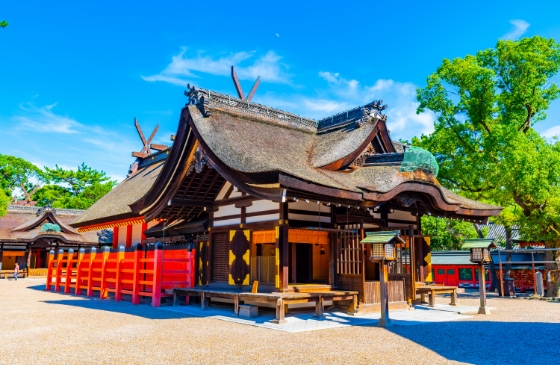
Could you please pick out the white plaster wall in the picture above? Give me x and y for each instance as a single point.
(263, 218)
(227, 210)
(122, 235)
(227, 222)
(136, 234)
(261, 205)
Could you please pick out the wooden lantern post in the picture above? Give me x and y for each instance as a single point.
(480, 254)
(383, 251)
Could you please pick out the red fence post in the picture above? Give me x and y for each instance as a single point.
(136, 274)
(50, 270)
(193, 268)
(158, 273)
(103, 293)
(58, 270)
(68, 276)
(89, 290)
(118, 274)
(77, 288)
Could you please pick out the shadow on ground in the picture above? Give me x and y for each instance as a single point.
(482, 342)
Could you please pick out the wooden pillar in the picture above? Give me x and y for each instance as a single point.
(129, 235)
(384, 321)
(78, 287)
(118, 274)
(412, 262)
(103, 293)
(143, 233)
(482, 286)
(333, 241)
(27, 258)
(115, 237)
(364, 258)
(1, 254)
(89, 289)
(283, 248)
(158, 273)
(136, 275)
(50, 270)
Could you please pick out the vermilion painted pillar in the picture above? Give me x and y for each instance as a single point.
(144, 228)
(129, 235)
(115, 237)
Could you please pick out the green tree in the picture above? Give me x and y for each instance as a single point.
(4, 202)
(446, 234)
(74, 189)
(3, 24)
(16, 172)
(486, 106)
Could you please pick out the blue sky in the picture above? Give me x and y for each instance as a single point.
(74, 75)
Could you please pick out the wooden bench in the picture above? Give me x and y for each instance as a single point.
(280, 300)
(6, 273)
(432, 290)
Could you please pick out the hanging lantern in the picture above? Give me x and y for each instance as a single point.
(480, 249)
(383, 245)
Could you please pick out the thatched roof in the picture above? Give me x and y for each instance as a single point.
(269, 154)
(115, 204)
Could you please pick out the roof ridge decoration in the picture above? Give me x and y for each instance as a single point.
(358, 115)
(206, 99)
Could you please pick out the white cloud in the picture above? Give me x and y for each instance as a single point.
(342, 94)
(400, 97)
(183, 68)
(519, 28)
(552, 132)
(44, 120)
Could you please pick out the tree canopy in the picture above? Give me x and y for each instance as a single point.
(71, 189)
(3, 24)
(486, 106)
(447, 234)
(16, 172)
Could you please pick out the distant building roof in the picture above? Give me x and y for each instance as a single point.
(24, 224)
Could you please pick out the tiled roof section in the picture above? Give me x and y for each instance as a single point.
(115, 204)
(358, 116)
(28, 230)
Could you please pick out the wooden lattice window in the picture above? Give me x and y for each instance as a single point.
(350, 254)
(220, 257)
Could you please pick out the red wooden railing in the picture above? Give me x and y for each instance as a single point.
(137, 271)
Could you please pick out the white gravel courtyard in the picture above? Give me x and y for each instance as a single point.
(38, 327)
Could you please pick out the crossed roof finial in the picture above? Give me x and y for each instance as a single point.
(240, 90)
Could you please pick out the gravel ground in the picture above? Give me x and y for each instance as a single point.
(37, 327)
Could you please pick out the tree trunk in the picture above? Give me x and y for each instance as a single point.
(508, 254)
(553, 276)
(495, 280)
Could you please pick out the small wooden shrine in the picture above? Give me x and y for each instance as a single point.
(28, 233)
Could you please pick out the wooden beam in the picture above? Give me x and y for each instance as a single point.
(191, 203)
(158, 147)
